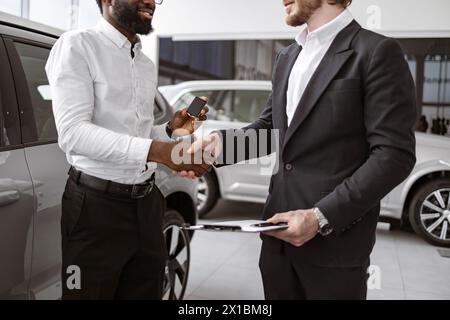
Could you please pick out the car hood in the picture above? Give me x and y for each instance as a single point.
(431, 140)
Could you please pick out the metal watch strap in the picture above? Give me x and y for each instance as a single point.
(324, 226)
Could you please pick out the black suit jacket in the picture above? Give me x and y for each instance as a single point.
(351, 141)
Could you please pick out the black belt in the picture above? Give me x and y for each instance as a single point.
(134, 191)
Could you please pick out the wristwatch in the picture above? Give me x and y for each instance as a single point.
(325, 228)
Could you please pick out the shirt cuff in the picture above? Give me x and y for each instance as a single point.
(139, 150)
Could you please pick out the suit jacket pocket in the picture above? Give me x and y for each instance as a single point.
(345, 85)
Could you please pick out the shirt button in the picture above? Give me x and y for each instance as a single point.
(288, 166)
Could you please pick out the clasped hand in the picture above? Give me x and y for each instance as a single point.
(202, 154)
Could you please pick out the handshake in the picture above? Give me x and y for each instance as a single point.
(188, 159)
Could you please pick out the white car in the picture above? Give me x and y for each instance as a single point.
(422, 200)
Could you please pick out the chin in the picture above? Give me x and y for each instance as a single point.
(294, 21)
(143, 29)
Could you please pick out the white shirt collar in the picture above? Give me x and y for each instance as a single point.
(115, 35)
(327, 31)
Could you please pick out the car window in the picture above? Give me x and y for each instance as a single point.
(219, 103)
(248, 104)
(10, 136)
(33, 61)
(230, 105)
(4, 140)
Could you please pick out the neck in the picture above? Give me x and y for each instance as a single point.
(131, 36)
(323, 15)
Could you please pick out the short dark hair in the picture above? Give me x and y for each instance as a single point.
(99, 2)
(344, 3)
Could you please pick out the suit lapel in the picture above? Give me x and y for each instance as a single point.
(286, 63)
(335, 58)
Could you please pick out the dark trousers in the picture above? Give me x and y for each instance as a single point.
(116, 242)
(284, 279)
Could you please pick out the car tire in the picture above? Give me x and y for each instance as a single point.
(207, 194)
(429, 212)
(176, 272)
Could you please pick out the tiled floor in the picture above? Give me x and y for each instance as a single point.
(225, 265)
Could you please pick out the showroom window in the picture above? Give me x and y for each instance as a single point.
(56, 13)
(62, 14)
(437, 80)
(429, 61)
(11, 6)
(33, 60)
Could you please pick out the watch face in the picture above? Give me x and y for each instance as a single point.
(326, 230)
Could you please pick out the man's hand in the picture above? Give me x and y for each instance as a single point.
(209, 147)
(303, 226)
(173, 155)
(182, 124)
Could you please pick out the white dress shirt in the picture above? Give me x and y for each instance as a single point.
(103, 102)
(314, 47)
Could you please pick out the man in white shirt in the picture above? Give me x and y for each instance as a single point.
(343, 101)
(103, 90)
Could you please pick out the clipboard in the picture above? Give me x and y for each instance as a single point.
(249, 226)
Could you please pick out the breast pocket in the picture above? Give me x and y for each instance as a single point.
(346, 105)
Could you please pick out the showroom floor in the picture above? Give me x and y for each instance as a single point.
(225, 265)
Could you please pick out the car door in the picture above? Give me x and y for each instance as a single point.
(17, 200)
(46, 162)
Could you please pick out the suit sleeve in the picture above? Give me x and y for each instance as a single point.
(242, 137)
(389, 116)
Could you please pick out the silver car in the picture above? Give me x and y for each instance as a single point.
(33, 172)
(422, 200)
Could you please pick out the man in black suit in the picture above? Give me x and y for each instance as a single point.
(343, 101)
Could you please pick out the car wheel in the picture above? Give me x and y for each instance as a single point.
(177, 267)
(207, 194)
(429, 212)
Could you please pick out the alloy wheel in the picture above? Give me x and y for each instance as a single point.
(177, 267)
(435, 214)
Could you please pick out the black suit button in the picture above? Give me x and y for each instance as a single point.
(288, 166)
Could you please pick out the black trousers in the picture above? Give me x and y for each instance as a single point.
(116, 242)
(284, 279)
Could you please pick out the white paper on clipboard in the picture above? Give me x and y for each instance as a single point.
(252, 226)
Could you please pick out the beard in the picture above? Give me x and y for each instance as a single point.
(128, 17)
(301, 12)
